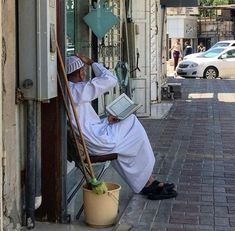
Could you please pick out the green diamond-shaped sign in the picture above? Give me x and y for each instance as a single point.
(101, 19)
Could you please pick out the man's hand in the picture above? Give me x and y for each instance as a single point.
(112, 119)
(85, 59)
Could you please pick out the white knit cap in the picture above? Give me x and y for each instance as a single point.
(73, 63)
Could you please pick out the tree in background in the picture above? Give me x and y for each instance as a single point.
(221, 2)
(211, 12)
(213, 2)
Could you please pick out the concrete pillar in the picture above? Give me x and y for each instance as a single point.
(1, 150)
(10, 124)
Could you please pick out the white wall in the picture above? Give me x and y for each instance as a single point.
(154, 49)
(140, 86)
(182, 26)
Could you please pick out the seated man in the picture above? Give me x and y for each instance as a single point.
(127, 137)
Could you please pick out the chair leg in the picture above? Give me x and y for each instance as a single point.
(75, 190)
(103, 170)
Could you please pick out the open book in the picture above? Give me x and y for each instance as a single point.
(122, 107)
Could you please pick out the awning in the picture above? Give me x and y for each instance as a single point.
(180, 3)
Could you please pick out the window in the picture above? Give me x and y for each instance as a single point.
(70, 5)
(230, 54)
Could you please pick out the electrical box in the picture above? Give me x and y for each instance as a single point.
(37, 49)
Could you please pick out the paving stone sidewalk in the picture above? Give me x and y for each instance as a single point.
(195, 149)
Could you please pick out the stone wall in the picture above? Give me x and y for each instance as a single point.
(1, 206)
(11, 160)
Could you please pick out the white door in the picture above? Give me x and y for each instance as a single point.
(140, 85)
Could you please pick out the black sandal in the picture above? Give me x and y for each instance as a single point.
(163, 194)
(155, 188)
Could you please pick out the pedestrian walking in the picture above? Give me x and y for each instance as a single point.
(176, 52)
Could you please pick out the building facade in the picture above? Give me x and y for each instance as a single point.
(30, 117)
(216, 24)
(33, 121)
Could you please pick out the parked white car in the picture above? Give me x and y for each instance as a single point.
(216, 62)
(225, 43)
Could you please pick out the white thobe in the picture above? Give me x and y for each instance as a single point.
(127, 138)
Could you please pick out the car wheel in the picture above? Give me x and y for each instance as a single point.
(210, 73)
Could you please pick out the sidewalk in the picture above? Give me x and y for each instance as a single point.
(158, 111)
(194, 145)
(195, 149)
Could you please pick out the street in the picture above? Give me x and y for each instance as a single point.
(194, 147)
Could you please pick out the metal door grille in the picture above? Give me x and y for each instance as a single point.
(110, 46)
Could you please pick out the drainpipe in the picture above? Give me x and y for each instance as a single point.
(38, 193)
(31, 164)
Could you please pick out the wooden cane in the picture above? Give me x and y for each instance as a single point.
(84, 169)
